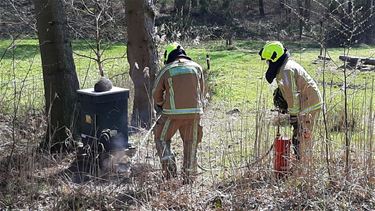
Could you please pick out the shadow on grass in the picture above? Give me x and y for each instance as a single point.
(21, 51)
(29, 50)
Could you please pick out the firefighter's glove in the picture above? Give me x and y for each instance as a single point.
(279, 102)
(293, 119)
(158, 109)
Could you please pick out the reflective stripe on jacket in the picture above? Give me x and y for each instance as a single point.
(298, 88)
(179, 88)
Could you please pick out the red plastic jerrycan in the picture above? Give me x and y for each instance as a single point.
(282, 153)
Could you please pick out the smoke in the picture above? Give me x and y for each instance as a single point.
(118, 142)
(118, 156)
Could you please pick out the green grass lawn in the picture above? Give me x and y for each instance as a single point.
(236, 76)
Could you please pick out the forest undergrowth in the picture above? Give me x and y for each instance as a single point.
(231, 173)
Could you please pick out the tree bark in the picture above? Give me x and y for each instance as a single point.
(281, 3)
(301, 17)
(178, 5)
(350, 7)
(307, 14)
(59, 73)
(142, 55)
(182, 7)
(371, 21)
(204, 6)
(261, 8)
(307, 10)
(288, 11)
(194, 4)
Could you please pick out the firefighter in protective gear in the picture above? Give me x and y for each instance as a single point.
(298, 89)
(179, 94)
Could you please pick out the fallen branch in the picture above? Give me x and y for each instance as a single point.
(357, 60)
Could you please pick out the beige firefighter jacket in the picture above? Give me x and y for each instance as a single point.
(179, 88)
(298, 88)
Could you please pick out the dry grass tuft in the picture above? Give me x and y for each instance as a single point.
(228, 179)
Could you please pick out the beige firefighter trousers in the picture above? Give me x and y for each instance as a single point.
(305, 134)
(191, 134)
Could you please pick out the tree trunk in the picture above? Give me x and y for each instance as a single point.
(261, 8)
(372, 30)
(182, 7)
(59, 73)
(301, 17)
(194, 4)
(288, 11)
(204, 6)
(351, 22)
(142, 55)
(322, 37)
(350, 7)
(281, 2)
(370, 22)
(307, 9)
(307, 14)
